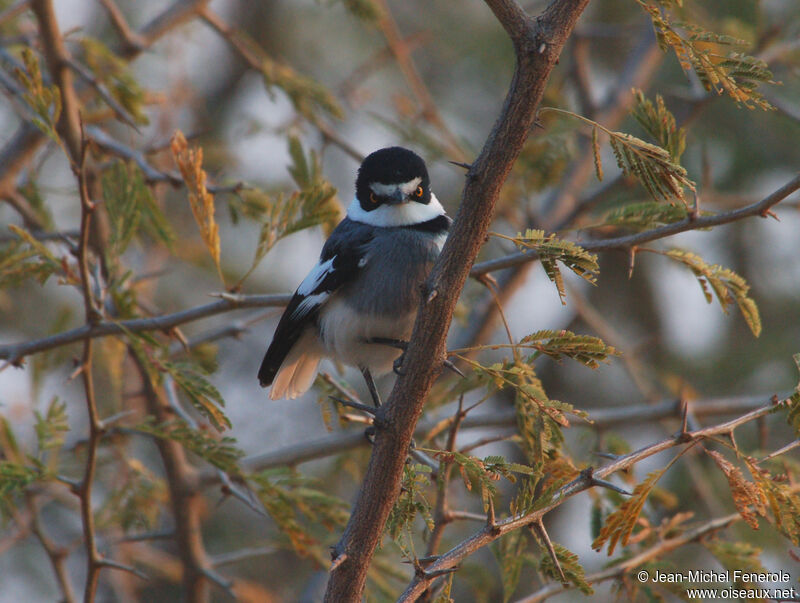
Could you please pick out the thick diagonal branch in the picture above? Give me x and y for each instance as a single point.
(537, 45)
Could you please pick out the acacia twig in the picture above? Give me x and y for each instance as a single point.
(758, 208)
(654, 552)
(584, 482)
(15, 352)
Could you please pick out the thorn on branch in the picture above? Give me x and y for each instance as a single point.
(122, 567)
(587, 476)
(606, 455)
(224, 583)
(537, 527)
(337, 561)
(461, 164)
(428, 576)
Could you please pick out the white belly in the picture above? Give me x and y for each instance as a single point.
(344, 334)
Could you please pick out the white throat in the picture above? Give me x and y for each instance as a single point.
(396, 215)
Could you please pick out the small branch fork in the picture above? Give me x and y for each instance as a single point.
(586, 480)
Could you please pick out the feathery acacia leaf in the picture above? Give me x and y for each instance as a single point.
(782, 501)
(112, 71)
(314, 203)
(44, 100)
(137, 502)
(27, 258)
(222, 453)
(509, 552)
(654, 167)
(202, 393)
(573, 571)
(645, 215)
(745, 494)
(586, 349)
(409, 505)
(366, 10)
(131, 207)
(190, 162)
(295, 506)
(741, 556)
(659, 123)
(726, 285)
(551, 250)
(734, 74)
(793, 403)
(619, 525)
(51, 426)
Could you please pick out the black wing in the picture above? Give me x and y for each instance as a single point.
(342, 257)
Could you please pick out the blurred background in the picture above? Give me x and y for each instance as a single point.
(431, 76)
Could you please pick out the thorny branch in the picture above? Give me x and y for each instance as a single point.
(584, 482)
(537, 45)
(15, 352)
(654, 552)
(759, 208)
(602, 418)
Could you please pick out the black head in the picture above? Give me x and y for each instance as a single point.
(392, 176)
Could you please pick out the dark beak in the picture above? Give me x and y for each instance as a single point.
(396, 198)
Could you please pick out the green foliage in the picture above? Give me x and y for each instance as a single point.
(552, 250)
(542, 162)
(14, 479)
(306, 95)
(482, 474)
(573, 571)
(294, 506)
(645, 215)
(366, 10)
(314, 203)
(659, 123)
(200, 391)
(586, 349)
(509, 551)
(43, 99)
(112, 71)
(654, 167)
(410, 504)
(539, 418)
(27, 258)
(793, 403)
(734, 74)
(737, 556)
(17, 470)
(130, 204)
(780, 498)
(726, 285)
(222, 453)
(137, 503)
(51, 426)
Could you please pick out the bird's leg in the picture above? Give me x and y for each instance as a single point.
(373, 390)
(397, 366)
(403, 345)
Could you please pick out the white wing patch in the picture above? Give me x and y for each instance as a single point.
(315, 277)
(309, 303)
(396, 215)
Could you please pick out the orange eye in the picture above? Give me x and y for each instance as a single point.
(418, 192)
(372, 198)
